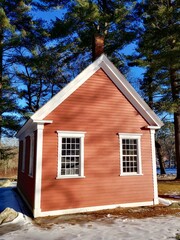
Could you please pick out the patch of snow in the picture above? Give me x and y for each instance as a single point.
(165, 201)
(150, 228)
(21, 219)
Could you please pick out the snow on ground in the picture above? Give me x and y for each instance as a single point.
(108, 228)
(119, 229)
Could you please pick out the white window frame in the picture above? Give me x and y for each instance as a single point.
(71, 134)
(23, 156)
(139, 161)
(31, 158)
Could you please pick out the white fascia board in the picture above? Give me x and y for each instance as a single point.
(67, 90)
(125, 87)
(62, 95)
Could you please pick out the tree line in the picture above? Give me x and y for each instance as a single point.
(38, 57)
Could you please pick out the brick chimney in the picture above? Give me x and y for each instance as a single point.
(97, 46)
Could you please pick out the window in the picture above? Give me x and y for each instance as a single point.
(31, 159)
(130, 154)
(70, 154)
(23, 156)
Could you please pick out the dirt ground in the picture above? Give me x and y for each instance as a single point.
(168, 187)
(138, 213)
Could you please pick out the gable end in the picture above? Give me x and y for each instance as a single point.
(116, 77)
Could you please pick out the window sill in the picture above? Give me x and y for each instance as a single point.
(69, 177)
(130, 174)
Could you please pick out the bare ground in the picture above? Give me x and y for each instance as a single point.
(167, 186)
(111, 215)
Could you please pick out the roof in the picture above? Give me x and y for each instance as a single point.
(118, 79)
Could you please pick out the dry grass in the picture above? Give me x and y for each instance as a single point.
(169, 187)
(9, 163)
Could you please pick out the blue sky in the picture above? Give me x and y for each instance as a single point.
(134, 74)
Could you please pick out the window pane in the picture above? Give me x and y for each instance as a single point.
(77, 171)
(67, 159)
(63, 152)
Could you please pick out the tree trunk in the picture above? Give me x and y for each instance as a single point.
(1, 84)
(177, 140)
(175, 95)
(159, 154)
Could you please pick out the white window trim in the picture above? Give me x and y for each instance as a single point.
(70, 134)
(31, 158)
(139, 163)
(24, 156)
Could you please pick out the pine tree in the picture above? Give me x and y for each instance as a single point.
(39, 72)
(14, 22)
(165, 137)
(84, 19)
(159, 48)
(46, 5)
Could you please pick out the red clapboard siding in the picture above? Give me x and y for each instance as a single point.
(26, 184)
(99, 109)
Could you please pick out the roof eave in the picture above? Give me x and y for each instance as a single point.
(31, 124)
